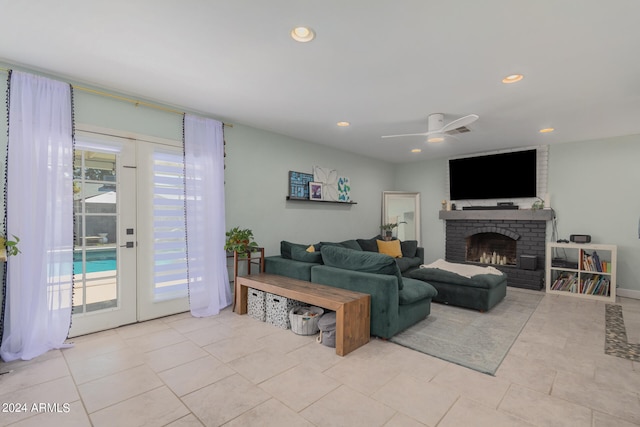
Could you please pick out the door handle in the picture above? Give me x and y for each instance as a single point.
(127, 245)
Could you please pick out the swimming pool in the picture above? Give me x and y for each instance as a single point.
(97, 260)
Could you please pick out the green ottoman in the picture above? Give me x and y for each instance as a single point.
(480, 292)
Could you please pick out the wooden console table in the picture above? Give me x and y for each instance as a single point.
(353, 309)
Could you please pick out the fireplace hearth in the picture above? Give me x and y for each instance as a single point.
(472, 237)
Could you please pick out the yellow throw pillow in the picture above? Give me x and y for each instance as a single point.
(390, 247)
(311, 249)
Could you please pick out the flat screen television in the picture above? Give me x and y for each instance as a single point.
(495, 176)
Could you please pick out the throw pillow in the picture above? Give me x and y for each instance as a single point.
(391, 248)
(300, 254)
(311, 248)
(285, 248)
(366, 262)
(409, 248)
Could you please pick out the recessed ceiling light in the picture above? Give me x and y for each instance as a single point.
(546, 130)
(343, 124)
(512, 78)
(302, 34)
(416, 150)
(435, 138)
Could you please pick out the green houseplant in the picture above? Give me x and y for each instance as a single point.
(11, 246)
(240, 240)
(388, 229)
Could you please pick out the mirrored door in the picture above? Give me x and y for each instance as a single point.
(402, 208)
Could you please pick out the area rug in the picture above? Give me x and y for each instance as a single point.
(479, 341)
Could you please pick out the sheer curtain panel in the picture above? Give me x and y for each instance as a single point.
(39, 201)
(209, 290)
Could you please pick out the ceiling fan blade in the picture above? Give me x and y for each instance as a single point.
(405, 134)
(462, 121)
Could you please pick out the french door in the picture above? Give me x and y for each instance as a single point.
(130, 246)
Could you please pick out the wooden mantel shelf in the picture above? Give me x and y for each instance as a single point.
(499, 214)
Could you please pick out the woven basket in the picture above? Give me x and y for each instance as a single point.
(304, 320)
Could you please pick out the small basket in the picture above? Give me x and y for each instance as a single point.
(304, 320)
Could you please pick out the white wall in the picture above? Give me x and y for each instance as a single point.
(593, 187)
(427, 178)
(257, 170)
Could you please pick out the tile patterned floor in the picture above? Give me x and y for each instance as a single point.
(235, 371)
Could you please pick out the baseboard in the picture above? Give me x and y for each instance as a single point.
(628, 293)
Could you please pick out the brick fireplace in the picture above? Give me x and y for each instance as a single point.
(502, 239)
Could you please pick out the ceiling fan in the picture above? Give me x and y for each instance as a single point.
(437, 130)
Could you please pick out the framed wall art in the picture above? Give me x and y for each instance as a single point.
(299, 185)
(315, 191)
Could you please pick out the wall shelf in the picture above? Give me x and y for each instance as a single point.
(293, 199)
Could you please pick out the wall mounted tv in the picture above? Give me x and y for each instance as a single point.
(495, 176)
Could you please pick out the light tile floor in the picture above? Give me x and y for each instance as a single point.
(233, 370)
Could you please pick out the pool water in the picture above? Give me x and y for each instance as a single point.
(97, 260)
(95, 266)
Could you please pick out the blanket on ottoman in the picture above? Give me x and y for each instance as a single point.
(477, 287)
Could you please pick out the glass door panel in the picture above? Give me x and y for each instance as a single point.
(99, 280)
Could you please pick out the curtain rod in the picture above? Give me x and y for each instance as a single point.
(123, 98)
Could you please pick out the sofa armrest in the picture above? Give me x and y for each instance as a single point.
(382, 288)
(288, 267)
(420, 254)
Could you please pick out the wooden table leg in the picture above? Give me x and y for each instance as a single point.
(241, 296)
(353, 325)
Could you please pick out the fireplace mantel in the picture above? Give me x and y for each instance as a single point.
(499, 214)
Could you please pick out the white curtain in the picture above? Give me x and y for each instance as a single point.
(40, 212)
(209, 289)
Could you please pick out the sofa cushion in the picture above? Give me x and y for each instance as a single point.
(367, 262)
(390, 247)
(415, 290)
(369, 245)
(300, 254)
(349, 244)
(409, 248)
(406, 263)
(285, 248)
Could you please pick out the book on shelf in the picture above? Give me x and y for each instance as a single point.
(566, 282)
(595, 285)
(592, 262)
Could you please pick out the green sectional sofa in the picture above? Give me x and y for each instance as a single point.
(397, 302)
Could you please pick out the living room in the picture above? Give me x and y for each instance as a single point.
(590, 181)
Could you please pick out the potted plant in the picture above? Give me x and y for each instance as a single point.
(240, 241)
(387, 229)
(11, 246)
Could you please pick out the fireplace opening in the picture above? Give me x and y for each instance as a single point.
(491, 248)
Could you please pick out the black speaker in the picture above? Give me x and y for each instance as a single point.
(580, 238)
(528, 262)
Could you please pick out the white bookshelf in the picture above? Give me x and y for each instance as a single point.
(581, 270)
